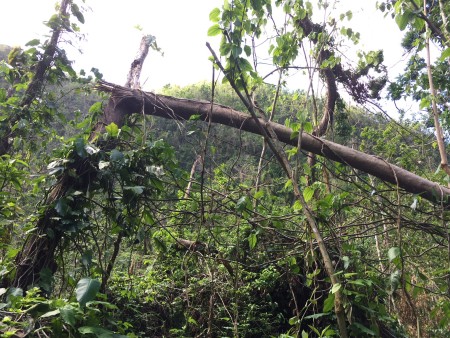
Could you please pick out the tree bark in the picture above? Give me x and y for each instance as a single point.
(128, 101)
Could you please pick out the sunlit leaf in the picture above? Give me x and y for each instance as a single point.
(252, 240)
(297, 206)
(258, 194)
(445, 54)
(50, 314)
(214, 15)
(103, 164)
(308, 193)
(336, 287)
(293, 321)
(393, 253)
(214, 30)
(112, 129)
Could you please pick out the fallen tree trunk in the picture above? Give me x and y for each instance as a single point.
(128, 101)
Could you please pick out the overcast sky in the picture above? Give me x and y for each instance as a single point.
(180, 26)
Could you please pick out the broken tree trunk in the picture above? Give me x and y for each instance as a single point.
(127, 101)
(109, 116)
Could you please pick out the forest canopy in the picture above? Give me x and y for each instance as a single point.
(235, 207)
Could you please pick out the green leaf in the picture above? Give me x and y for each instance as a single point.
(402, 20)
(328, 304)
(241, 203)
(316, 315)
(99, 332)
(425, 102)
(308, 127)
(225, 48)
(148, 217)
(247, 50)
(288, 184)
(245, 65)
(86, 258)
(160, 245)
(360, 282)
(293, 321)
(116, 156)
(68, 315)
(297, 206)
(61, 207)
(97, 107)
(258, 194)
(79, 147)
(77, 13)
(112, 129)
(214, 15)
(194, 117)
(214, 30)
(393, 253)
(346, 261)
(50, 314)
(252, 240)
(364, 329)
(86, 290)
(445, 54)
(336, 287)
(38, 308)
(33, 42)
(308, 193)
(349, 15)
(256, 4)
(394, 280)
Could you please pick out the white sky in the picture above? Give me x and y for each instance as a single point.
(180, 28)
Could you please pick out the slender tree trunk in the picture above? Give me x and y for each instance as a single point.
(271, 138)
(198, 161)
(437, 124)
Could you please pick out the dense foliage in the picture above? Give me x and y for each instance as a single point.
(140, 227)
